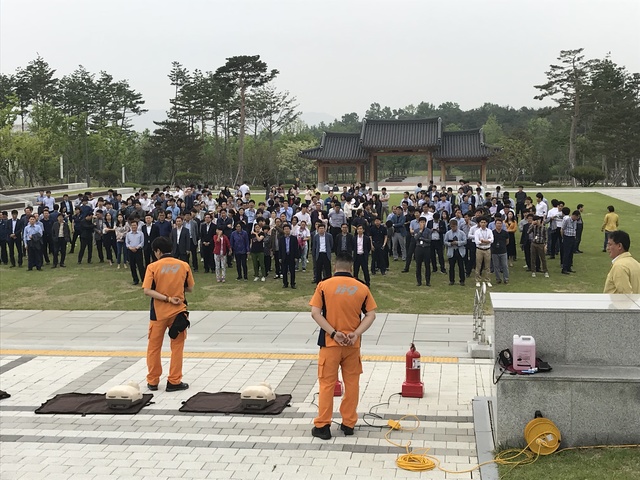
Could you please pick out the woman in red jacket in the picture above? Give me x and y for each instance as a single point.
(221, 248)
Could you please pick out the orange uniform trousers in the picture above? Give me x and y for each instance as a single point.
(157, 329)
(329, 360)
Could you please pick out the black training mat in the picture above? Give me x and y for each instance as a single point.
(4, 394)
(88, 404)
(228, 402)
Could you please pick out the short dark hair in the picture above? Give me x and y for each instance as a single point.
(163, 244)
(344, 258)
(611, 209)
(621, 237)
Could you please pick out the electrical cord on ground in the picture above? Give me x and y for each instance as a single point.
(419, 460)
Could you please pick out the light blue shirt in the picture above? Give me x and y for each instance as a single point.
(29, 230)
(134, 240)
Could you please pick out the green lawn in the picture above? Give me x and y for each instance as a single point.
(98, 286)
(601, 464)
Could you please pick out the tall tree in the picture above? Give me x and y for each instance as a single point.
(242, 74)
(567, 84)
(615, 119)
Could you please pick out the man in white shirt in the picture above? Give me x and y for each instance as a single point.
(244, 189)
(483, 241)
(303, 215)
(303, 235)
(541, 207)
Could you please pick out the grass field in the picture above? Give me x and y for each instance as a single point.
(611, 464)
(100, 287)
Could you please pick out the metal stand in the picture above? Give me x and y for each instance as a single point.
(480, 346)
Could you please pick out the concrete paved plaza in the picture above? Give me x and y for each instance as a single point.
(49, 352)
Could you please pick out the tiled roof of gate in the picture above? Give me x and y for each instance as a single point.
(337, 147)
(415, 134)
(465, 144)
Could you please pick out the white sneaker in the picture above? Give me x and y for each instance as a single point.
(262, 279)
(489, 284)
(534, 275)
(256, 279)
(546, 275)
(525, 267)
(477, 284)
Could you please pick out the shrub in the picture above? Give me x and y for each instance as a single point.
(586, 175)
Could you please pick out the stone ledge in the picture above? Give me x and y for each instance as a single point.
(581, 373)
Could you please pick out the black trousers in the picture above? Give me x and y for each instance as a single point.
(76, 234)
(411, 248)
(526, 247)
(568, 247)
(362, 261)
(322, 268)
(459, 261)
(379, 259)
(288, 268)
(85, 243)
(423, 257)
(99, 249)
(194, 257)
(241, 265)
(137, 266)
(148, 255)
(206, 252)
(109, 243)
(59, 250)
(35, 257)
(3, 252)
(579, 229)
(556, 240)
(436, 250)
(15, 243)
(47, 247)
(276, 261)
(470, 257)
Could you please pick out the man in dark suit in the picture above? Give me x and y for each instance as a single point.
(66, 206)
(361, 250)
(180, 240)
(207, 231)
(322, 248)
(289, 252)
(14, 229)
(343, 241)
(194, 231)
(150, 231)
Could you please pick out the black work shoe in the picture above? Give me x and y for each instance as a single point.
(323, 433)
(347, 430)
(153, 388)
(174, 388)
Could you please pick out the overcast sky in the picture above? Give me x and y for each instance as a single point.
(335, 56)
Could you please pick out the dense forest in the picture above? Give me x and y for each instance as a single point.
(232, 124)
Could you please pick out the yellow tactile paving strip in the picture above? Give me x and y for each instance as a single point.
(229, 355)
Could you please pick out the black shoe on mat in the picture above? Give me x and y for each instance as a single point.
(153, 388)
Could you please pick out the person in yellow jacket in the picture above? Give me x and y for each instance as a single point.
(610, 224)
(337, 307)
(624, 276)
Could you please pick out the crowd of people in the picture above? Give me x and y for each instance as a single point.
(286, 231)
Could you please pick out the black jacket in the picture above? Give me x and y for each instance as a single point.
(151, 236)
(337, 243)
(294, 251)
(55, 230)
(181, 246)
(366, 244)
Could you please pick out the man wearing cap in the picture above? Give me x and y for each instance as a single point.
(167, 281)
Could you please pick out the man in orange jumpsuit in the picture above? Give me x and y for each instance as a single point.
(166, 282)
(337, 307)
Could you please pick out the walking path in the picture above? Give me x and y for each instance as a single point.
(43, 353)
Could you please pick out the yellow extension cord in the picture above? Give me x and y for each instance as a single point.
(419, 461)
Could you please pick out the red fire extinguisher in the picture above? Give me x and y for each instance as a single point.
(412, 386)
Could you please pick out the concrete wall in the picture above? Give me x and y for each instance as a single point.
(593, 344)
